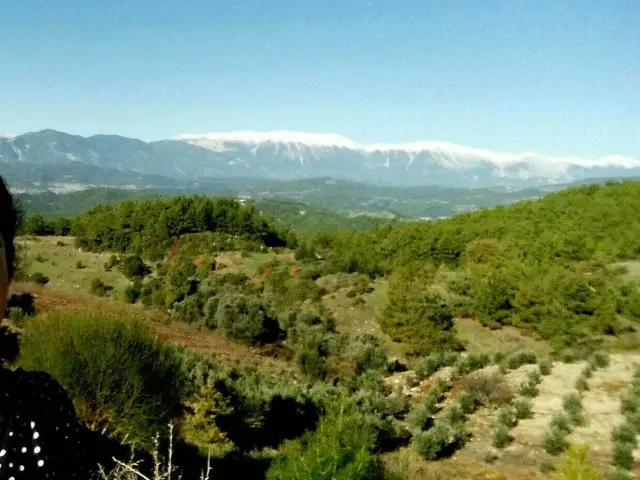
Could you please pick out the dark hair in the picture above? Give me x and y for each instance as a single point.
(8, 225)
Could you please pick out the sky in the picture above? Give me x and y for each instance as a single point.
(555, 77)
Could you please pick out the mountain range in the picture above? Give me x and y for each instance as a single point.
(52, 160)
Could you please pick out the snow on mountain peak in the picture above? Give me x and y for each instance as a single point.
(450, 154)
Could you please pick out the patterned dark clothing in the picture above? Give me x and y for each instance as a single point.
(40, 437)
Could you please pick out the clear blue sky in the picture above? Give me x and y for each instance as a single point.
(557, 77)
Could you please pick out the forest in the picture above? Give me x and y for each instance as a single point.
(555, 269)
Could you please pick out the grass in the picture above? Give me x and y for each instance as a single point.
(58, 259)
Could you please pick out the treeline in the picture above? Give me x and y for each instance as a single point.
(543, 265)
(147, 227)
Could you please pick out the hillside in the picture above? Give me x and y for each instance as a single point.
(480, 346)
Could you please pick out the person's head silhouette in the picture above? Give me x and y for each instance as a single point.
(8, 226)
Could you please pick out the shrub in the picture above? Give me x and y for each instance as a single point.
(421, 416)
(545, 367)
(442, 440)
(622, 455)
(121, 380)
(554, 441)
(501, 436)
(39, 278)
(535, 376)
(625, 433)
(24, 302)
(367, 352)
(454, 414)
(134, 267)
(600, 359)
(561, 422)
(572, 404)
(519, 359)
(582, 385)
(523, 408)
(132, 292)
(507, 416)
(112, 262)
(467, 403)
(15, 314)
(619, 474)
(528, 388)
(340, 448)
(99, 288)
(427, 366)
(488, 389)
(575, 465)
(80, 265)
(245, 318)
(469, 363)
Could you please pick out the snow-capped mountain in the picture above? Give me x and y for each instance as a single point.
(425, 162)
(49, 157)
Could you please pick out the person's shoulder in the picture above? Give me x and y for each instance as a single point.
(38, 383)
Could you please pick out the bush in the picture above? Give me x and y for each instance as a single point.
(519, 359)
(23, 302)
(554, 441)
(575, 465)
(501, 436)
(134, 267)
(523, 408)
(427, 366)
(39, 278)
(112, 262)
(487, 389)
(619, 474)
(467, 403)
(582, 385)
(529, 388)
(622, 455)
(469, 363)
(80, 265)
(99, 288)
(561, 422)
(625, 433)
(507, 416)
(367, 352)
(442, 440)
(340, 448)
(15, 314)
(245, 318)
(600, 360)
(120, 379)
(421, 416)
(545, 367)
(572, 404)
(132, 292)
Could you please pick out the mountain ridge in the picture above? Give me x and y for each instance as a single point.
(51, 156)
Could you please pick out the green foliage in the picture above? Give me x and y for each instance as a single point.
(367, 352)
(99, 288)
(501, 437)
(441, 440)
(572, 404)
(245, 318)
(39, 278)
(561, 421)
(508, 417)
(600, 360)
(80, 265)
(625, 433)
(575, 465)
(471, 362)
(554, 441)
(487, 390)
(421, 415)
(132, 292)
(339, 449)
(582, 385)
(427, 366)
(545, 367)
(133, 267)
(120, 378)
(529, 388)
(538, 265)
(417, 316)
(518, 359)
(622, 455)
(619, 474)
(523, 407)
(199, 426)
(147, 227)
